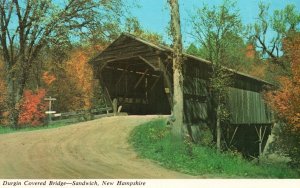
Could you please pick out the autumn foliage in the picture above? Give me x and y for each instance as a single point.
(71, 82)
(33, 108)
(48, 78)
(286, 100)
(250, 51)
(254, 65)
(3, 93)
(81, 75)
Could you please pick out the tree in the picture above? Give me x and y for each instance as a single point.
(281, 22)
(69, 78)
(276, 25)
(82, 80)
(193, 50)
(286, 100)
(218, 30)
(133, 26)
(178, 124)
(282, 52)
(29, 26)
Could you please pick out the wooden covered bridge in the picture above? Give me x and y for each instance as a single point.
(138, 74)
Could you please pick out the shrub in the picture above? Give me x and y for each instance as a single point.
(33, 107)
(288, 141)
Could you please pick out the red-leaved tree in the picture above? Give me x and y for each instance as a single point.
(33, 107)
(286, 101)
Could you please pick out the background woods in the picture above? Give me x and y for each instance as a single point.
(29, 29)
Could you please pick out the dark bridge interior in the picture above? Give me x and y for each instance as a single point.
(138, 88)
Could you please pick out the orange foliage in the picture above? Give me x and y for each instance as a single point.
(286, 100)
(97, 48)
(81, 73)
(259, 70)
(2, 92)
(254, 66)
(2, 84)
(250, 51)
(3, 96)
(48, 78)
(73, 86)
(33, 108)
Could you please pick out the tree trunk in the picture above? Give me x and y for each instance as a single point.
(15, 89)
(12, 101)
(178, 126)
(218, 127)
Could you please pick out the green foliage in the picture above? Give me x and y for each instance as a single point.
(268, 34)
(56, 124)
(132, 26)
(153, 140)
(193, 50)
(287, 141)
(197, 51)
(285, 20)
(219, 31)
(219, 84)
(277, 25)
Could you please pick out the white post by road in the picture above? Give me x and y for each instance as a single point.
(49, 112)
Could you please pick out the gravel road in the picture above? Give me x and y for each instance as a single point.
(94, 149)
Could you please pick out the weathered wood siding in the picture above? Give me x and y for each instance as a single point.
(195, 90)
(247, 107)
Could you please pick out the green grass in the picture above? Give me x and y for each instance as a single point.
(54, 124)
(153, 141)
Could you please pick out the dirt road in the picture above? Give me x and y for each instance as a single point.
(94, 149)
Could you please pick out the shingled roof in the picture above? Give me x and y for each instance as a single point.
(126, 38)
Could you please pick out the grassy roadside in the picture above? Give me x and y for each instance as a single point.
(153, 141)
(54, 124)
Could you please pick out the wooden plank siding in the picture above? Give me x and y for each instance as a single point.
(247, 107)
(195, 92)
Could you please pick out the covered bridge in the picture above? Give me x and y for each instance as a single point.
(138, 74)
